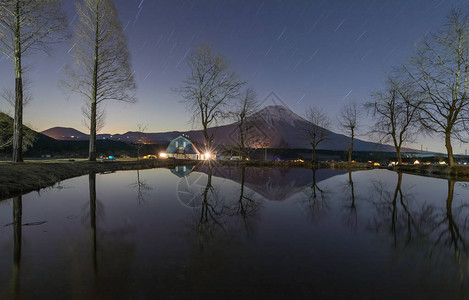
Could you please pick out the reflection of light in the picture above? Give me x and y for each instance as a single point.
(442, 162)
(163, 155)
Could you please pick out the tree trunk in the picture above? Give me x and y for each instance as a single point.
(92, 150)
(208, 142)
(449, 148)
(350, 150)
(17, 155)
(242, 149)
(313, 154)
(399, 155)
(94, 96)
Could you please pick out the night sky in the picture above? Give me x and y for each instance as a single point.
(307, 52)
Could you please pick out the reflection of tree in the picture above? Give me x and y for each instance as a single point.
(92, 187)
(315, 205)
(351, 218)
(246, 207)
(394, 215)
(219, 227)
(454, 238)
(432, 230)
(17, 221)
(211, 210)
(227, 215)
(142, 188)
(111, 254)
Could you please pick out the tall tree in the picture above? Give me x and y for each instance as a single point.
(244, 112)
(140, 138)
(27, 25)
(348, 120)
(395, 118)
(440, 70)
(102, 69)
(317, 129)
(209, 89)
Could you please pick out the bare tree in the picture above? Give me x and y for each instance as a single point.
(102, 69)
(348, 120)
(395, 118)
(317, 129)
(27, 25)
(100, 116)
(140, 138)
(440, 70)
(209, 89)
(244, 112)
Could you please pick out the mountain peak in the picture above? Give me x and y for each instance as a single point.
(64, 133)
(276, 113)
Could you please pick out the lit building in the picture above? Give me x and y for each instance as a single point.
(182, 148)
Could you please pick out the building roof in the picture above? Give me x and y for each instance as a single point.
(182, 142)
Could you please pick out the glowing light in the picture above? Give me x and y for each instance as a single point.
(416, 162)
(162, 155)
(207, 155)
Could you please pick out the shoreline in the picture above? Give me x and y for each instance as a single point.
(457, 173)
(34, 175)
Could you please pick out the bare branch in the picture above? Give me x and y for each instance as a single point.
(209, 89)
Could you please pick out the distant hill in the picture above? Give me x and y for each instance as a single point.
(45, 145)
(65, 134)
(278, 127)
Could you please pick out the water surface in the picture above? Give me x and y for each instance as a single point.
(209, 233)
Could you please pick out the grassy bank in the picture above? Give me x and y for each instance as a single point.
(459, 173)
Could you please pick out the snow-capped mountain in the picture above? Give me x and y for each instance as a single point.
(274, 127)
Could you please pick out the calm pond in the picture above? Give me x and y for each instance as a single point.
(231, 233)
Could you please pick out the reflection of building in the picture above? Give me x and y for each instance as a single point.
(183, 148)
(181, 171)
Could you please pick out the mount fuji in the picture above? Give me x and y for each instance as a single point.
(279, 126)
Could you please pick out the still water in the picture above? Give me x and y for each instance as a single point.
(231, 233)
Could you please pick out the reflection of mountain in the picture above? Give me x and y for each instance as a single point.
(274, 127)
(273, 184)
